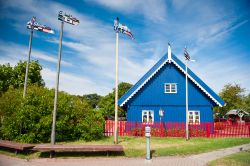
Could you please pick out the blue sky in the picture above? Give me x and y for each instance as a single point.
(216, 33)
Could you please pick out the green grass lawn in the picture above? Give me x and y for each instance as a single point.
(135, 147)
(237, 159)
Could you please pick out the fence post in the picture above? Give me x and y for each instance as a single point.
(120, 126)
(208, 129)
(249, 130)
(161, 130)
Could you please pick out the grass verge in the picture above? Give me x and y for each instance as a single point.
(136, 147)
(178, 146)
(237, 159)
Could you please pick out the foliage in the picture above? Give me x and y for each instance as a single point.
(14, 76)
(171, 132)
(30, 119)
(246, 104)
(93, 99)
(138, 132)
(219, 126)
(247, 118)
(197, 132)
(233, 97)
(6, 72)
(175, 132)
(107, 103)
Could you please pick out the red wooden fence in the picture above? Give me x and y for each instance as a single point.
(177, 129)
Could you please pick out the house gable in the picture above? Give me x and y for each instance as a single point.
(152, 93)
(164, 63)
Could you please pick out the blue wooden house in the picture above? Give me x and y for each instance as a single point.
(162, 88)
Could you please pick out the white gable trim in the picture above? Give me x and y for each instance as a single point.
(191, 78)
(196, 83)
(144, 82)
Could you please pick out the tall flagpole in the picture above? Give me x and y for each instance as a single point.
(116, 92)
(30, 25)
(27, 65)
(53, 135)
(123, 29)
(187, 121)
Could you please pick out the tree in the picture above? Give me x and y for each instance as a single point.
(93, 99)
(6, 74)
(246, 106)
(14, 76)
(29, 119)
(233, 96)
(34, 76)
(107, 103)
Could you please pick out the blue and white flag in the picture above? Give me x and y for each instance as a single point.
(122, 28)
(186, 54)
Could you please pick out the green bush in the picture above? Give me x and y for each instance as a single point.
(30, 119)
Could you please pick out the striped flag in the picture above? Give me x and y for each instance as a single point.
(122, 28)
(34, 25)
(186, 54)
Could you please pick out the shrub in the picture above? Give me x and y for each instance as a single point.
(219, 126)
(138, 132)
(197, 132)
(175, 132)
(30, 119)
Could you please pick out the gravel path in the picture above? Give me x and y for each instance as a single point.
(193, 160)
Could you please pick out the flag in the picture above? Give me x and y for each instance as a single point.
(33, 20)
(34, 25)
(186, 54)
(67, 18)
(122, 28)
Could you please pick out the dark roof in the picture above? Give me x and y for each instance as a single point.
(180, 65)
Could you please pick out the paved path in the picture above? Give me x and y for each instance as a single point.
(193, 160)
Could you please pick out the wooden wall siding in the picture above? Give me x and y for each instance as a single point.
(153, 92)
(171, 113)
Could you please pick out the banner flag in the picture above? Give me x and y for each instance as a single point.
(122, 28)
(32, 24)
(67, 18)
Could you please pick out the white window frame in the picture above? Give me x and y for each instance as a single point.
(146, 112)
(172, 88)
(194, 116)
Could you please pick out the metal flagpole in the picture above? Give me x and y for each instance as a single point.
(30, 25)
(187, 121)
(71, 20)
(27, 65)
(56, 90)
(116, 92)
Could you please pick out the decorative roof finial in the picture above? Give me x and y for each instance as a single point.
(169, 52)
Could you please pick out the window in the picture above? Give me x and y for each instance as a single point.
(147, 116)
(170, 87)
(194, 116)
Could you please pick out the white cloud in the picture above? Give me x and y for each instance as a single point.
(151, 10)
(217, 72)
(12, 53)
(74, 84)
